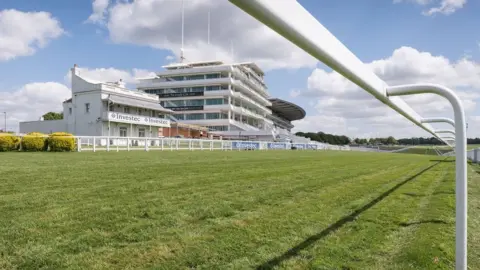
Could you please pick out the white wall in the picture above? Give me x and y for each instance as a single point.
(87, 123)
(44, 126)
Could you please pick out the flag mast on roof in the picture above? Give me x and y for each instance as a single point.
(183, 26)
(208, 33)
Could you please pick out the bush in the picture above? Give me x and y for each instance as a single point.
(61, 142)
(34, 141)
(8, 142)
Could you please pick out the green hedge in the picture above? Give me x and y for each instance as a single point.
(61, 142)
(34, 142)
(9, 142)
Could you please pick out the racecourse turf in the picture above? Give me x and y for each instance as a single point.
(231, 210)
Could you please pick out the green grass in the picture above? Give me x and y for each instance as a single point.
(231, 210)
(473, 146)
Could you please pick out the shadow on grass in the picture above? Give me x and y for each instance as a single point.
(431, 221)
(413, 194)
(443, 160)
(294, 251)
(444, 192)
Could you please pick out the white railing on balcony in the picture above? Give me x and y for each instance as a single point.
(252, 92)
(249, 100)
(239, 73)
(244, 126)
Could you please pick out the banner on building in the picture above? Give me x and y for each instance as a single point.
(137, 119)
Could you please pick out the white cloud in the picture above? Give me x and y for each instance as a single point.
(31, 101)
(23, 33)
(338, 98)
(235, 36)
(445, 7)
(99, 11)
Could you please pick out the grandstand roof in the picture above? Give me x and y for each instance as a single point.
(287, 110)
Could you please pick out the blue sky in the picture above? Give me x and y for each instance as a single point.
(372, 29)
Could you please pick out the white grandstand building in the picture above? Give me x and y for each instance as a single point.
(230, 99)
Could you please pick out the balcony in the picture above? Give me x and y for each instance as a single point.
(251, 101)
(157, 83)
(262, 90)
(262, 100)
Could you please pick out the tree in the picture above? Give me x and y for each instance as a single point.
(391, 141)
(52, 116)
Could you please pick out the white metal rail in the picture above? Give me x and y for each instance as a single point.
(295, 23)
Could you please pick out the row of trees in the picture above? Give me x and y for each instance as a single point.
(343, 140)
(325, 138)
(373, 141)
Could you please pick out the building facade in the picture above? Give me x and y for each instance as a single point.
(221, 97)
(105, 109)
(229, 99)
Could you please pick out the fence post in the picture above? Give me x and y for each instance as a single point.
(146, 144)
(94, 144)
(79, 145)
(161, 140)
(128, 144)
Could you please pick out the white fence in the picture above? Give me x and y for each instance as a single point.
(474, 155)
(85, 143)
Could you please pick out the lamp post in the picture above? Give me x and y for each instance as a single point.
(5, 113)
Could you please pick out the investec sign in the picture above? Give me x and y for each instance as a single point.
(245, 145)
(277, 146)
(138, 119)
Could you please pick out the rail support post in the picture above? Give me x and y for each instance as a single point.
(460, 161)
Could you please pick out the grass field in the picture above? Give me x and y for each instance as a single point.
(231, 210)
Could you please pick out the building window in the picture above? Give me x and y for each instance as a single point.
(213, 88)
(197, 89)
(196, 77)
(194, 116)
(141, 132)
(87, 107)
(126, 109)
(214, 101)
(174, 103)
(213, 76)
(123, 132)
(70, 111)
(194, 102)
(175, 78)
(213, 115)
